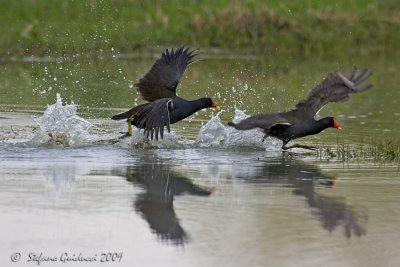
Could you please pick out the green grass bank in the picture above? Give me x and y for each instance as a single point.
(298, 28)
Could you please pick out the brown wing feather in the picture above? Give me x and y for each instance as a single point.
(335, 88)
(163, 78)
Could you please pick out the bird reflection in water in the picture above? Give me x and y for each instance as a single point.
(332, 211)
(156, 203)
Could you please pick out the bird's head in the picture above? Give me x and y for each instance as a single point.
(212, 104)
(335, 124)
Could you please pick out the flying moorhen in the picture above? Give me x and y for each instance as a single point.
(300, 122)
(158, 87)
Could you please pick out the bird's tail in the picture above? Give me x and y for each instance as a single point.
(128, 114)
(121, 116)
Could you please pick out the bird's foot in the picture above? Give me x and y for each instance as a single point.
(284, 147)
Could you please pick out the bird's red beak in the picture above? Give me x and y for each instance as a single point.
(215, 105)
(336, 124)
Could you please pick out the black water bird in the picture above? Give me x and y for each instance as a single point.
(300, 122)
(158, 87)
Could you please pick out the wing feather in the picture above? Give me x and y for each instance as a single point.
(154, 117)
(163, 78)
(335, 88)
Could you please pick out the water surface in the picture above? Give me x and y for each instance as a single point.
(206, 195)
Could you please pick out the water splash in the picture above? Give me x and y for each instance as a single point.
(60, 125)
(213, 133)
(251, 138)
(138, 140)
(216, 134)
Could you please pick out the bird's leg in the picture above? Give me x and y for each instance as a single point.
(129, 128)
(129, 133)
(284, 147)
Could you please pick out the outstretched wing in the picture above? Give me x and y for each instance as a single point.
(162, 79)
(335, 88)
(153, 117)
(263, 121)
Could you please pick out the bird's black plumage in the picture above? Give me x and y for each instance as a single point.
(158, 87)
(300, 122)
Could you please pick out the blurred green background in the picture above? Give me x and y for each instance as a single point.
(94, 28)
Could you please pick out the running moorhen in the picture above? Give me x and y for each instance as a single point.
(300, 122)
(158, 87)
